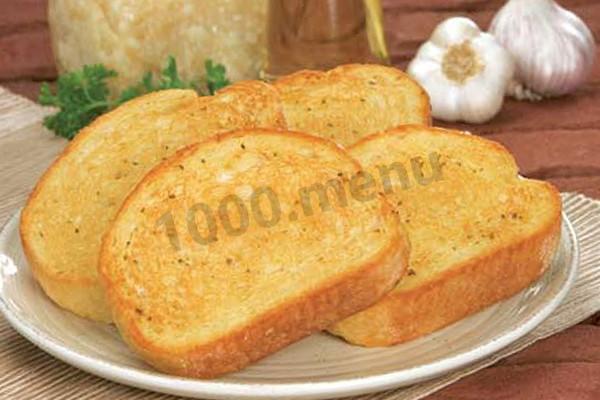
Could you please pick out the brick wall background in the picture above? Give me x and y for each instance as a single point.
(556, 140)
(26, 55)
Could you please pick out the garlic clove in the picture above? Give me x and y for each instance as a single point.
(499, 64)
(427, 70)
(431, 52)
(471, 109)
(464, 71)
(454, 31)
(447, 102)
(553, 49)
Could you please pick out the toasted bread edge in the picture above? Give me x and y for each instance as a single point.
(337, 299)
(307, 74)
(84, 297)
(493, 277)
(487, 280)
(425, 112)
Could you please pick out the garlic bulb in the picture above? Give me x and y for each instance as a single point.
(464, 71)
(553, 49)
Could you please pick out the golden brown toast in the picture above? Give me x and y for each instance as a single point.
(351, 101)
(217, 259)
(479, 233)
(72, 205)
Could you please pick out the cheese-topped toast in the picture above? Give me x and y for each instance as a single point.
(351, 101)
(72, 205)
(242, 244)
(479, 233)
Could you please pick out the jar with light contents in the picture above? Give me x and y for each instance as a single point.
(322, 34)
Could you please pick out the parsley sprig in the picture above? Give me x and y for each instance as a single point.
(81, 96)
(216, 77)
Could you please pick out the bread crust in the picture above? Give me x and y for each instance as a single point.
(334, 300)
(81, 294)
(455, 294)
(410, 101)
(462, 290)
(271, 332)
(424, 111)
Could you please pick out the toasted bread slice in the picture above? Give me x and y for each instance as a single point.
(217, 259)
(351, 101)
(72, 205)
(479, 233)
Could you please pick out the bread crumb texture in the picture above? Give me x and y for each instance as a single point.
(208, 307)
(479, 233)
(74, 202)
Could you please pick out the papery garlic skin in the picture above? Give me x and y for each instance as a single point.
(464, 71)
(553, 49)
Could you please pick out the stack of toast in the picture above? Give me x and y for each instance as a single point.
(214, 231)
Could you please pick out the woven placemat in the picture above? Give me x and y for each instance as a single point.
(26, 372)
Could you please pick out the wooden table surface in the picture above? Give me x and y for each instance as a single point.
(557, 140)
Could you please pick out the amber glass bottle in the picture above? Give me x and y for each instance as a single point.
(320, 34)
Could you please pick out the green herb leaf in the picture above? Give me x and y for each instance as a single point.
(169, 79)
(216, 77)
(81, 96)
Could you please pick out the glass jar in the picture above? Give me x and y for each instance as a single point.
(136, 36)
(321, 34)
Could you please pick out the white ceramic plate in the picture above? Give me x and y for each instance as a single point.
(318, 367)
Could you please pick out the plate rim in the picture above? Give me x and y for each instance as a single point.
(189, 387)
